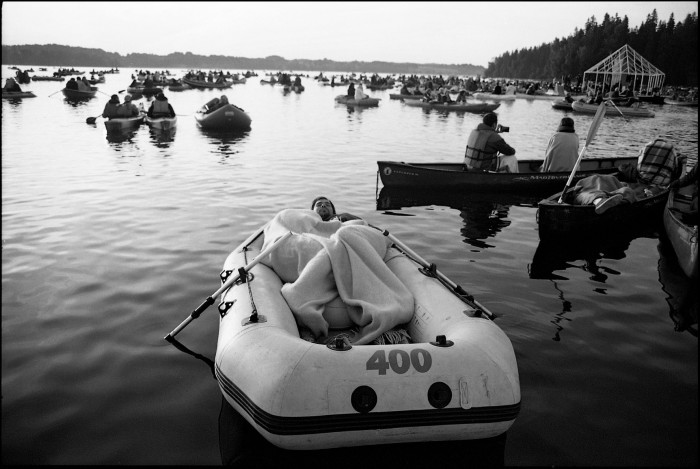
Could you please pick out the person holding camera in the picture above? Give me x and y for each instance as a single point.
(484, 145)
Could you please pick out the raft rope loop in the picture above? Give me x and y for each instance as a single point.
(254, 316)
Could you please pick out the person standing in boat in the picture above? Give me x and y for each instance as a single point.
(160, 107)
(483, 147)
(326, 210)
(562, 149)
(111, 108)
(128, 109)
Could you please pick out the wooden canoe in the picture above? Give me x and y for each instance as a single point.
(682, 235)
(556, 220)
(227, 117)
(475, 107)
(612, 111)
(453, 176)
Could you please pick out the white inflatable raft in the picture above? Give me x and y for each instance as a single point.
(457, 379)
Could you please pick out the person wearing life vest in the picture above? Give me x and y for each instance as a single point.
(160, 107)
(483, 147)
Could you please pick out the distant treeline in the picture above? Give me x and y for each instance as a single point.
(67, 56)
(671, 47)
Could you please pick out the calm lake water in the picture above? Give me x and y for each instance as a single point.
(109, 243)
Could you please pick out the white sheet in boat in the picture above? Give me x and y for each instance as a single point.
(322, 260)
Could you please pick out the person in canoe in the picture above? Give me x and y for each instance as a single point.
(128, 109)
(326, 210)
(690, 178)
(160, 107)
(12, 85)
(483, 147)
(111, 108)
(562, 149)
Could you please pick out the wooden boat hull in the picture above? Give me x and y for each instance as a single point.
(124, 124)
(78, 94)
(228, 117)
(367, 102)
(207, 84)
(477, 108)
(557, 220)
(453, 176)
(311, 394)
(161, 123)
(17, 94)
(612, 111)
(683, 237)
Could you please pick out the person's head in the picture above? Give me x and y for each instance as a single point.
(566, 125)
(224, 99)
(324, 207)
(127, 98)
(161, 97)
(490, 119)
(114, 99)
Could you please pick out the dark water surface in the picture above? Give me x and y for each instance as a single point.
(109, 243)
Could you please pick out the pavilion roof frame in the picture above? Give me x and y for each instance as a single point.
(627, 65)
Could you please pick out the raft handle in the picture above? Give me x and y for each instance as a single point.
(441, 341)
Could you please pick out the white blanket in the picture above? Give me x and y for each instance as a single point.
(322, 260)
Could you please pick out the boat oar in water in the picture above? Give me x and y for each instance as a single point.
(243, 271)
(91, 120)
(597, 119)
(432, 270)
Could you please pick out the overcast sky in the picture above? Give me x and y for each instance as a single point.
(420, 32)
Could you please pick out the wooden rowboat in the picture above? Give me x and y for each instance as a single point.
(227, 117)
(477, 107)
(557, 220)
(612, 111)
(683, 236)
(453, 176)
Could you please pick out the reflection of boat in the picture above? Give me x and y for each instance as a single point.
(682, 235)
(556, 219)
(529, 178)
(476, 107)
(682, 291)
(241, 446)
(395, 198)
(456, 379)
(343, 99)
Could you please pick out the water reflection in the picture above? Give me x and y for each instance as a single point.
(682, 292)
(225, 140)
(162, 138)
(122, 136)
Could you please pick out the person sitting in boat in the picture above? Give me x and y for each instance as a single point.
(568, 98)
(658, 164)
(497, 89)
(128, 109)
(483, 147)
(530, 89)
(360, 92)
(404, 90)
(511, 89)
(84, 84)
(351, 91)
(326, 210)
(12, 85)
(148, 82)
(562, 149)
(462, 96)
(72, 84)
(111, 108)
(297, 81)
(690, 178)
(160, 107)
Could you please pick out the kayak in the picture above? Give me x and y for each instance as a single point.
(161, 123)
(478, 107)
(611, 110)
(227, 117)
(122, 124)
(343, 99)
(452, 376)
(682, 235)
(79, 94)
(529, 179)
(556, 220)
(17, 94)
(206, 84)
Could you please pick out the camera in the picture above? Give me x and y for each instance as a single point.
(502, 128)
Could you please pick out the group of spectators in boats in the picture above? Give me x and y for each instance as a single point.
(12, 86)
(81, 84)
(160, 107)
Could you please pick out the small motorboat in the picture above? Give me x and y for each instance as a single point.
(453, 375)
(368, 102)
(227, 117)
(475, 107)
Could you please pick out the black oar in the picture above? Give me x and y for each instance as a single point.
(433, 271)
(597, 119)
(91, 120)
(210, 299)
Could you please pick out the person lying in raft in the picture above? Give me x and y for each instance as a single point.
(326, 210)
